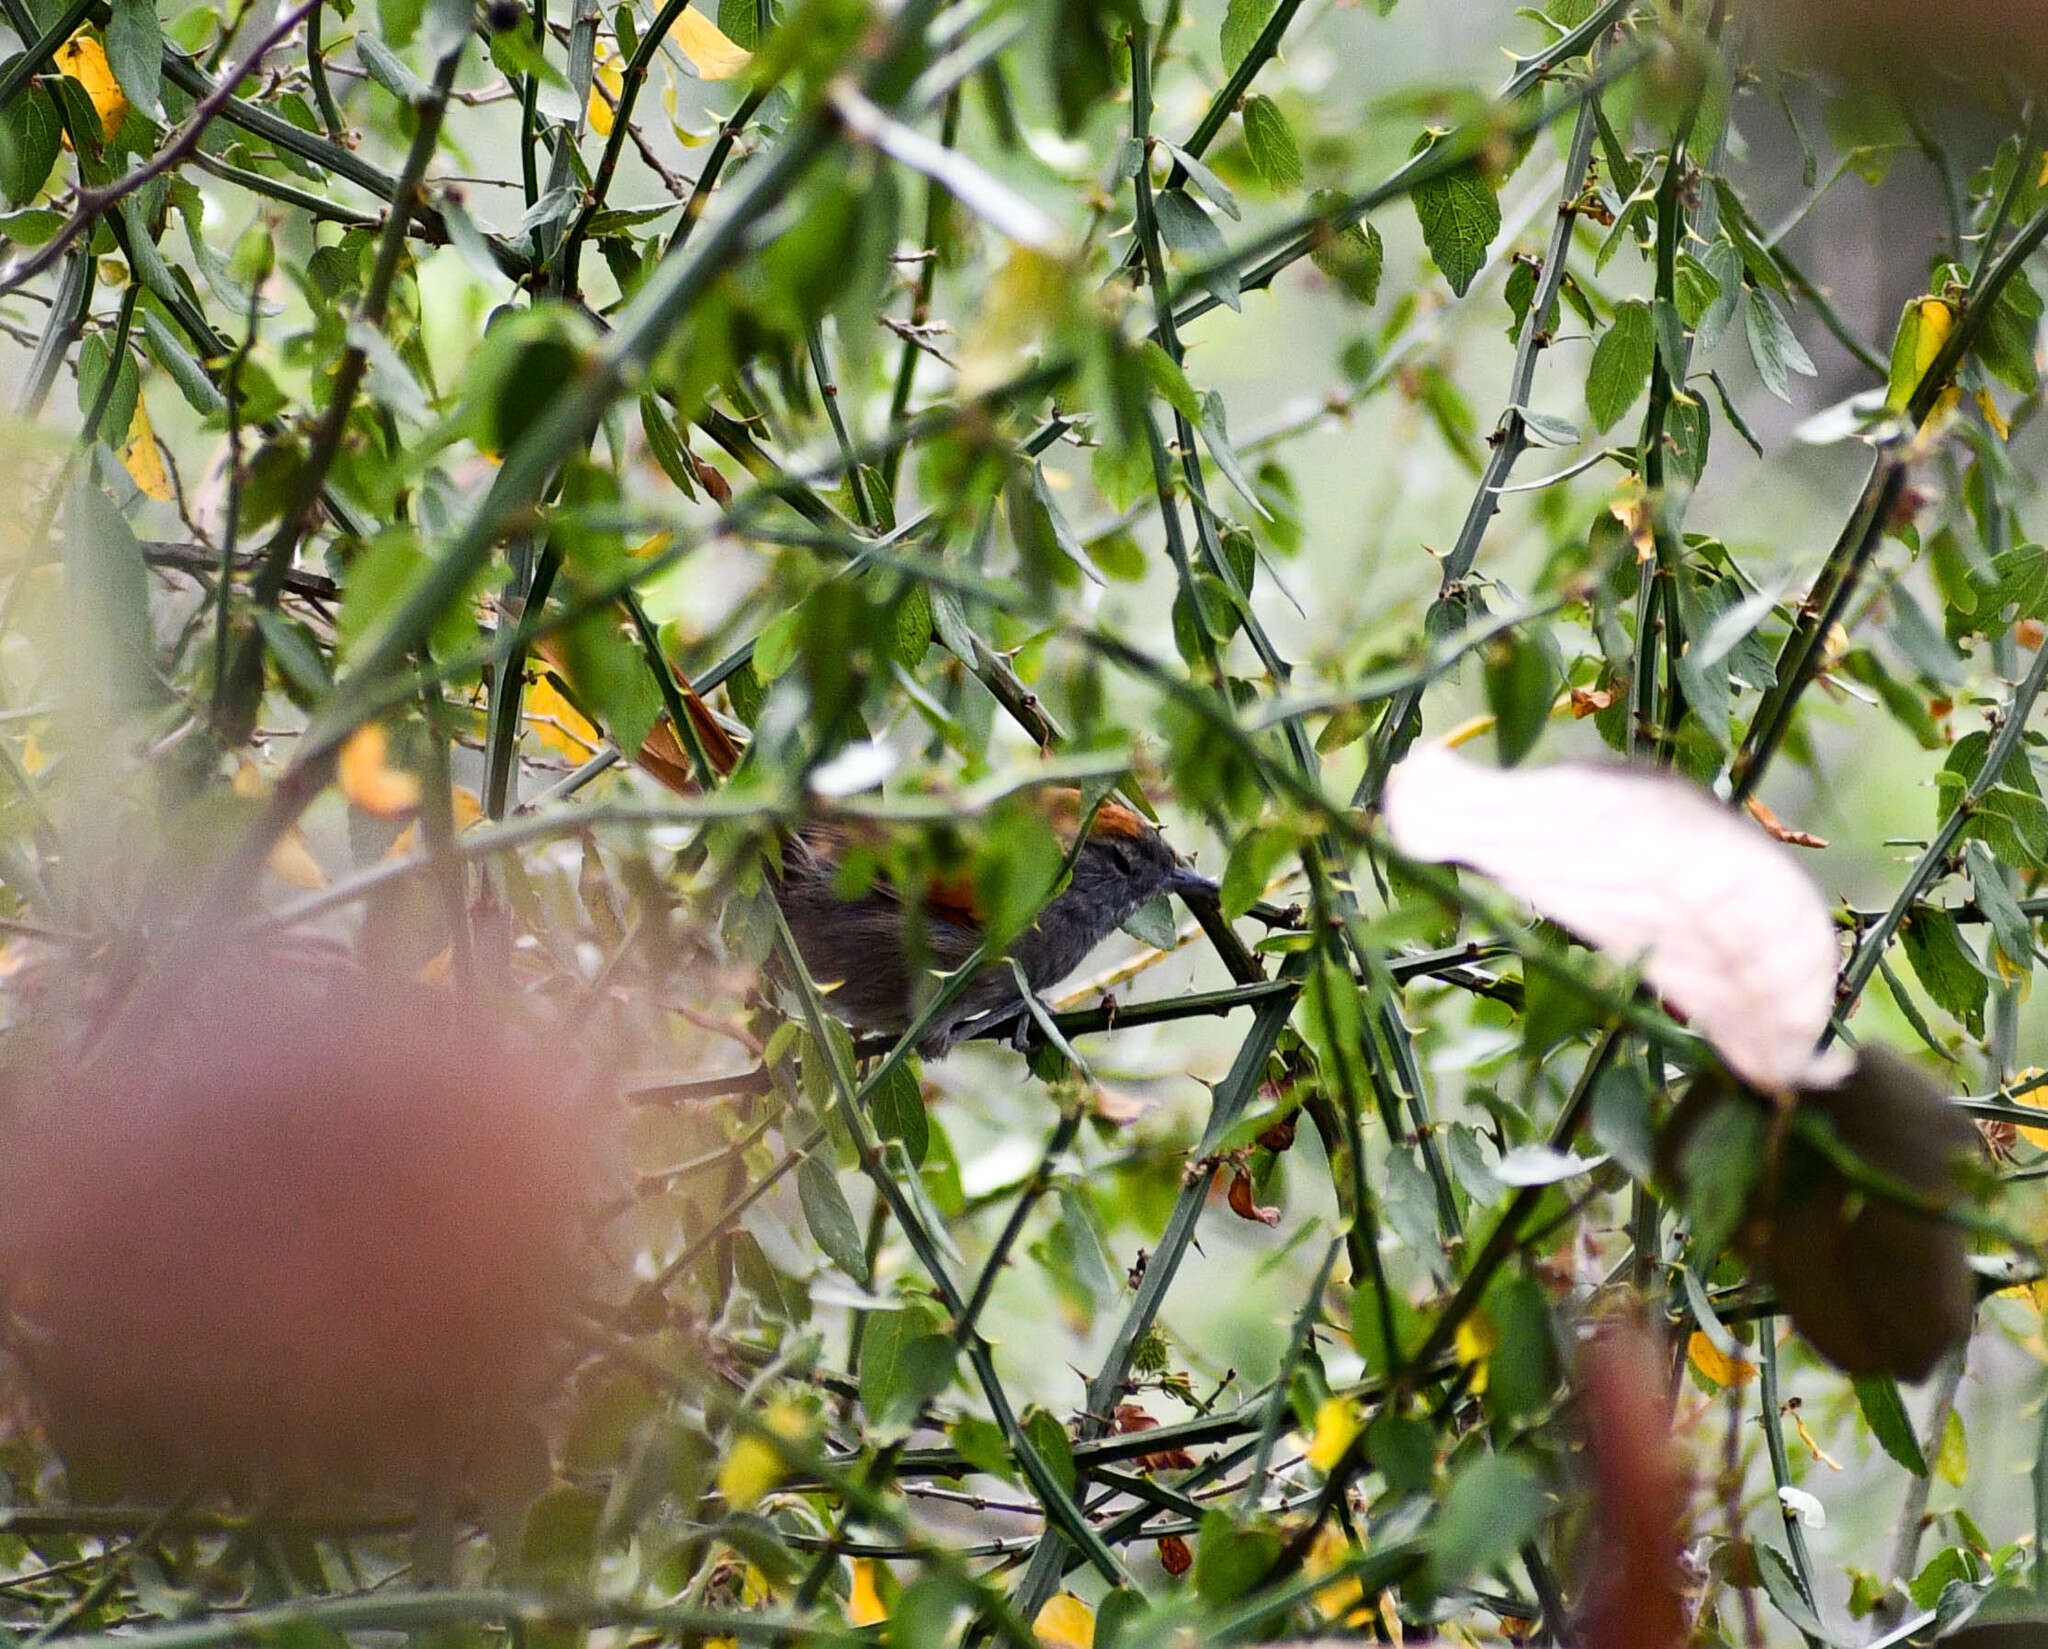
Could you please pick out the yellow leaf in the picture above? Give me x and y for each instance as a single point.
(750, 1470)
(369, 782)
(1329, 1552)
(1937, 321)
(1065, 1623)
(1466, 731)
(1477, 1339)
(559, 724)
(141, 459)
(1952, 1459)
(292, 861)
(653, 546)
(864, 1606)
(463, 804)
(754, 1464)
(1715, 1365)
(611, 75)
(33, 757)
(687, 138)
(84, 59)
(2033, 1098)
(701, 41)
(1336, 1427)
(1819, 1453)
(1992, 415)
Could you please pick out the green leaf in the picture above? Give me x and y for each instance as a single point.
(1521, 682)
(391, 71)
(1269, 141)
(1369, 1334)
(2013, 587)
(1014, 871)
(1190, 233)
(1171, 381)
(1523, 1370)
(1402, 1450)
(1230, 1560)
(1693, 289)
(559, 1535)
(2010, 818)
(1081, 65)
(1216, 437)
(1550, 429)
(1152, 924)
(1723, 264)
(397, 21)
(739, 22)
(983, 1446)
(94, 356)
(31, 137)
(2006, 345)
(135, 52)
(1253, 859)
(898, 1109)
(903, 1365)
(1719, 1161)
(1951, 1566)
(107, 591)
(1352, 256)
(1733, 414)
(1241, 25)
(1490, 1508)
(1773, 346)
(665, 446)
(1948, 970)
(1781, 1586)
(612, 679)
(1045, 1434)
(1878, 1396)
(826, 1212)
(1671, 347)
(1460, 215)
(914, 624)
(31, 226)
(2010, 928)
(1621, 364)
(1690, 431)
(1520, 292)
(1213, 187)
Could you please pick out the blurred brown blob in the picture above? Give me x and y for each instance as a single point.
(1635, 1584)
(1876, 1286)
(1957, 45)
(310, 1233)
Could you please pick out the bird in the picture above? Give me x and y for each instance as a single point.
(879, 955)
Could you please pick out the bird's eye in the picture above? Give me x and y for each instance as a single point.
(1120, 856)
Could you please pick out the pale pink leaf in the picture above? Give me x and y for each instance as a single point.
(1724, 924)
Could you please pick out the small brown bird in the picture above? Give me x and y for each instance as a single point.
(882, 957)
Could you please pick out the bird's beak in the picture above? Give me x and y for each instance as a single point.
(1191, 884)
